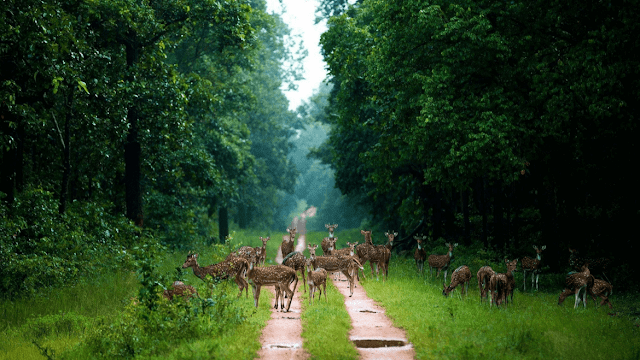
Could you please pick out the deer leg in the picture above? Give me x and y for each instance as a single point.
(304, 281)
(256, 294)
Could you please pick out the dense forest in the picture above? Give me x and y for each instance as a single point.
(130, 124)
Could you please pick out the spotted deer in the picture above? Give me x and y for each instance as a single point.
(363, 251)
(279, 276)
(246, 252)
(296, 261)
(579, 284)
(460, 276)
(511, 282)
(420, 255)
(596, 265)
(347, 265)
(602, 289)
(328, 245)
(533, 265)
(235, 267)
(375, 254)
(348, 251)
(317, 280)
(261, 251)
(326, 242)
(287, 245)
(441, 262)
(178, 288)
(498, 285)
(391, 236)
(484, 275)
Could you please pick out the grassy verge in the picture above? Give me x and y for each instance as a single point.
(533, 327)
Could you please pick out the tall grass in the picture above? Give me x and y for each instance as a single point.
(532, 327)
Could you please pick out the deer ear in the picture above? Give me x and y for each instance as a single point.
(544, 247)
(395, 234)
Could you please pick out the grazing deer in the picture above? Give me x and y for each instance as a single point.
(579, 284)
(441, 262)
(261, 251)
(498, 285)
(279, 276)
(602, 289)
(420, 255)
(246, 252)
(296, 261)
(332, 264)
(460, 276)
(533, 265)
(391, 236)
(235, 266)
(178, 288)
(317, 280)
(484, 275)
(511, 282)
(596, 266)
(287, 245)
(325, 244)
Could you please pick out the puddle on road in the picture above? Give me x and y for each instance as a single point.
(378, 343)
(368, 311)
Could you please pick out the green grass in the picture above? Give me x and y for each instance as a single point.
(533, 327)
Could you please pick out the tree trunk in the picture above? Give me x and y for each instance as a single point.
(8, 161)
(132, 149)
(223, 223)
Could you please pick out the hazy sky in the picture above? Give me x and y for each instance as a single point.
(300, 16)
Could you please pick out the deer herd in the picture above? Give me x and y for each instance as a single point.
(247, 266)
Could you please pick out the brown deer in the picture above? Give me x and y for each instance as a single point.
(261, 251)
(441, 262)
(460, 276)
(498, 285)
(287, 245)
(178, 288)
(484, 275)
(235, 267)
(579, 284)
(511, 282)
(420, 255)
(325, 244)
(279, 276)
(348, 251)
(363, 251)
(533, 265)
(246, 252)
(391, 236)
(328, 245)
(296, 261)
(317, 280)
(602, 289)
(596, 265)
(332, 264)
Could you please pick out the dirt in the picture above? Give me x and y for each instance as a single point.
(373, 332)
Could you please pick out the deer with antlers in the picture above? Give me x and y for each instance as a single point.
(420, 254)
(533, 265)
(484, 275)
(332, 264)
(235, 267)
(317, 280)
(287, 245)
(279, 276)
(328, 241)
(460, 276)
(580, 284)
(441, 262)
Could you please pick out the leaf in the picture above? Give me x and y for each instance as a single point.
(82, 85)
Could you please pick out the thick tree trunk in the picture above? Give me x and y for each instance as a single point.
(132, 149)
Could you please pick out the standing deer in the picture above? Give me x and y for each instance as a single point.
(235, 266)
(348, 251)
(287, 245)
(391, 236)
(326, 242)
(246, 252)
(498, 285)
(420, 255)
(279, 276)
(344, 264)
(460, 276)
(533, 265)
(579, 284)
(178, 288)
(296, 260)
(441, 262)
(484, 275)
(317, 280)
(596, 266)
(261, 251)
(511, 282)
(602, 289)
(363, 251)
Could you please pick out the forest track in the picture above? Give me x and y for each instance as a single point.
(373, 333)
